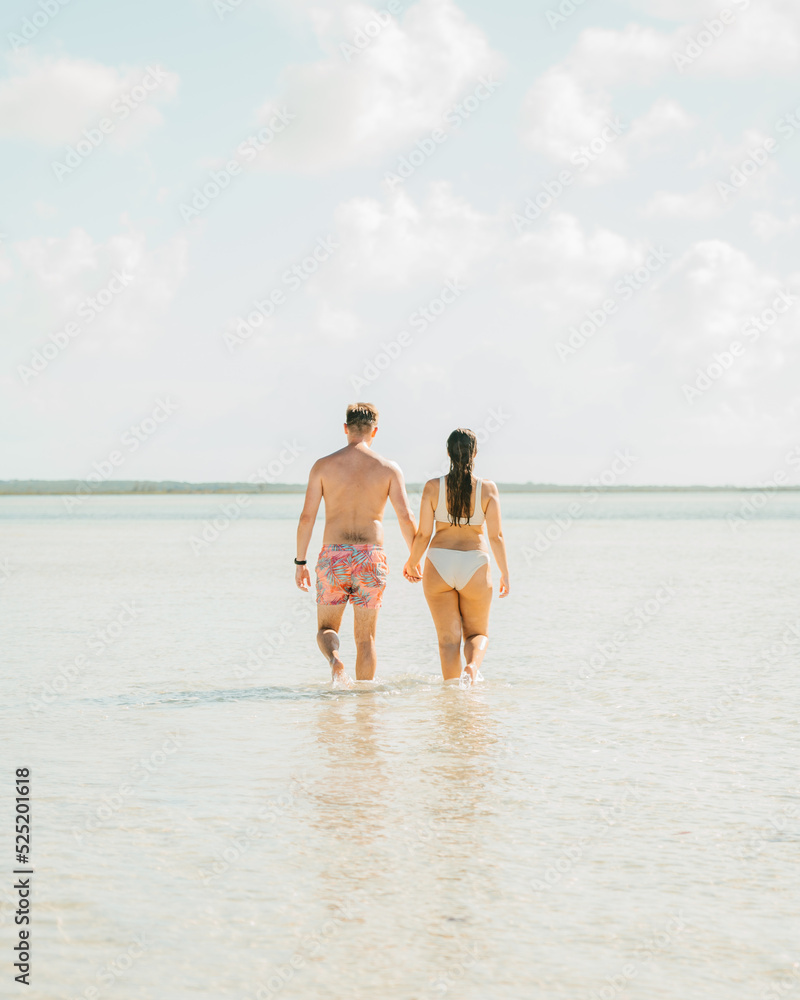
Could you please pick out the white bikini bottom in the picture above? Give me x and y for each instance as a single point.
(456, 566)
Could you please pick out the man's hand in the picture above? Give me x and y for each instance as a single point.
(412, 573)
(305, 526)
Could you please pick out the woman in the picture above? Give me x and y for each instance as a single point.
(456, 581)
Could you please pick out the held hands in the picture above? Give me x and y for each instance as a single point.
(503, 587)
(412, 573)
(302, 578)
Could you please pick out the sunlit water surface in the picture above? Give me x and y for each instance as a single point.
(613, 813)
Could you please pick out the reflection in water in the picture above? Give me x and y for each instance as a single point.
(458, 809)
(350, 794)
(405, 804)
(465, 772)
(351, 812)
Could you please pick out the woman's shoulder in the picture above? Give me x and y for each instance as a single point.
(489, 488)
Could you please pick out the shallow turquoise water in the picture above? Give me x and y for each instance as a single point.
(615, 808)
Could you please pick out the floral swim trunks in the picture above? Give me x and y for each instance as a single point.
(352, 572)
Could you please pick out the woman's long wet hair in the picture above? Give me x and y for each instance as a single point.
(461, 447)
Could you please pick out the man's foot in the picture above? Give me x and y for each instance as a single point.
(339, 676)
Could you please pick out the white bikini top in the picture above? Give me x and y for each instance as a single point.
(440, 514)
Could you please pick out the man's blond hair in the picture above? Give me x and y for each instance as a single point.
(361, 417)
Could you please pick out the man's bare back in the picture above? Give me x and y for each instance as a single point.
(355, 483)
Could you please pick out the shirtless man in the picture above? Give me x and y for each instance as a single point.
(356, 484)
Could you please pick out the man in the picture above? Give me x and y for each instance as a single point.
(356, 483)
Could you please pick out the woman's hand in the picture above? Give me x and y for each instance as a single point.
(503, 587)
(412, 573)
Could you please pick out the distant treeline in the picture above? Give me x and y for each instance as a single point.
(63, 487)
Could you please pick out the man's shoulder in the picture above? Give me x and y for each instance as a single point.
(379, 462)
(329, 459)
(341, 462)
(393, 467)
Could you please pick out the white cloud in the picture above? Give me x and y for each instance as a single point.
(563, 268)
(569, 105)
(606, 58)
(663, 119)
(678, 10)
(721, 154)
(562, 119)
(704, 203)
(51, 100)
(558, 266)
(386, 96)
(60, 273)
(552, 276)
(399, 245)
(392, 243)
(764, 38)
(560, 114)
(652, 133)
(714, 288)
(767, 225)
(745, 169)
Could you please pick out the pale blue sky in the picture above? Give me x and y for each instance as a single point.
(324, 176)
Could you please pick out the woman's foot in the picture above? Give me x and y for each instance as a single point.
(339, 676)
(471, 675)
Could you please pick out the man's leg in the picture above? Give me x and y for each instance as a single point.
(329, 618)
(365, 623)
(368, 582)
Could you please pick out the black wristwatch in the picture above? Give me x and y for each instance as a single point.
(300, 562)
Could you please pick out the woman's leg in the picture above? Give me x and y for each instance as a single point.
(443, 602)
(474, 601)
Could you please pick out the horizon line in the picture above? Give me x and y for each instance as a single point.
(35, 487)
